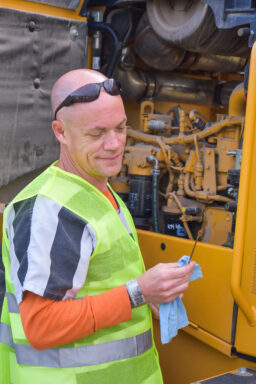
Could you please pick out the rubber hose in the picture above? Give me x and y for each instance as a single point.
(103, 27)
(155, 200)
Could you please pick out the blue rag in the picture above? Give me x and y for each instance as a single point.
(173, 316)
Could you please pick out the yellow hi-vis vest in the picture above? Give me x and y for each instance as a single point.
(124, 353)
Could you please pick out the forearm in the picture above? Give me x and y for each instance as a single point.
(49, 323)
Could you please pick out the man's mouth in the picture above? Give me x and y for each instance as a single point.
(112, 158)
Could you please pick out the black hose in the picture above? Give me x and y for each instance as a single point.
(117, 46)
(155, 201)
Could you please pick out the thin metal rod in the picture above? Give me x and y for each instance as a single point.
(194, 246)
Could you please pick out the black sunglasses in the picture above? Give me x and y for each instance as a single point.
(90, 92)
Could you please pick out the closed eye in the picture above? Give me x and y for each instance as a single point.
(96, 133)
(121, 129)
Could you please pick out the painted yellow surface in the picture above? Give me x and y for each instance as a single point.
(203, 349)
(33, 7)
(246, 334)
(208, 301)
(244, 244)
(187, 360)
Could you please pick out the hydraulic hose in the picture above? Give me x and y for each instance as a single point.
(155, 206)
(103, 27)
(155, 201)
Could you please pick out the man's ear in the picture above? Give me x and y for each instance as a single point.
(60, 131)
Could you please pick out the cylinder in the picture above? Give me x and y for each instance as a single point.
(140, 198)
(165, 56)
(138, 85)
(173, 226)
(153, 50)
(190, 25)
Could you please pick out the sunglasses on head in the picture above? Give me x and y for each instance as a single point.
(90, 92)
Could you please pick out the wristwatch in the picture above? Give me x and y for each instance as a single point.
(134, 292)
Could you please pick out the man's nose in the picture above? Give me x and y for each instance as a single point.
(112, 140)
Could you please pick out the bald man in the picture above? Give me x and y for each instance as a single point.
(76, 306)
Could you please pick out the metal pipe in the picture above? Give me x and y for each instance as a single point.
(237, 101)
(186, 139)
(138, 85)
(202, 195)
(179, 205)
(97, 17)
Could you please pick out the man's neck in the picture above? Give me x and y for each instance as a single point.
(66, 163)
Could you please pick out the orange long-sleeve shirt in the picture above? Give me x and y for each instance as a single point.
(48, 323)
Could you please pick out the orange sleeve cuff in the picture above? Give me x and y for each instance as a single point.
(48, 323)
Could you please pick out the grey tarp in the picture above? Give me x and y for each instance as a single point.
(34, 51)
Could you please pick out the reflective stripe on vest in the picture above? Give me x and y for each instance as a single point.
(78, 356)
(12, 303)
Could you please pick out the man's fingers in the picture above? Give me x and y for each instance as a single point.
(173, 294)
(165, 282)
(155, 310)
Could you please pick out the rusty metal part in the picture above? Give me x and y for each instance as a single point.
(182, 215)
(150, 121)
(202, 195)
(209, 177)
(154, 51)
(219, 219)
(162, 86)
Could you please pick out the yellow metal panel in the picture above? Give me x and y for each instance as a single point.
(209, 339)
(208, 301)
(243, 271)
(247, 166)
(246, 334)
(29, 6)
(218, 225)
(187, 360)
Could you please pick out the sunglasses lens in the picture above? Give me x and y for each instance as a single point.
(112, 87)
(88, 92)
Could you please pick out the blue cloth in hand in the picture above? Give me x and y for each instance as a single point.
(173, 316)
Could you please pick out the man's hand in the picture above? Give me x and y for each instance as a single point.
(165, 282)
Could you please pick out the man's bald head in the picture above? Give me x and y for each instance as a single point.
(72, 80)
(92, 134)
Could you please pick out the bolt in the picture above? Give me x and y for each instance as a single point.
(163, 246)
(37, 83)
(242, 371)
(31, 26)
(244, 32)
(73, 33)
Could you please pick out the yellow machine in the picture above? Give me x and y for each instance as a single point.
(189, 169)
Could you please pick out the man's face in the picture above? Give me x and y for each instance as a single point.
(96, 135)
